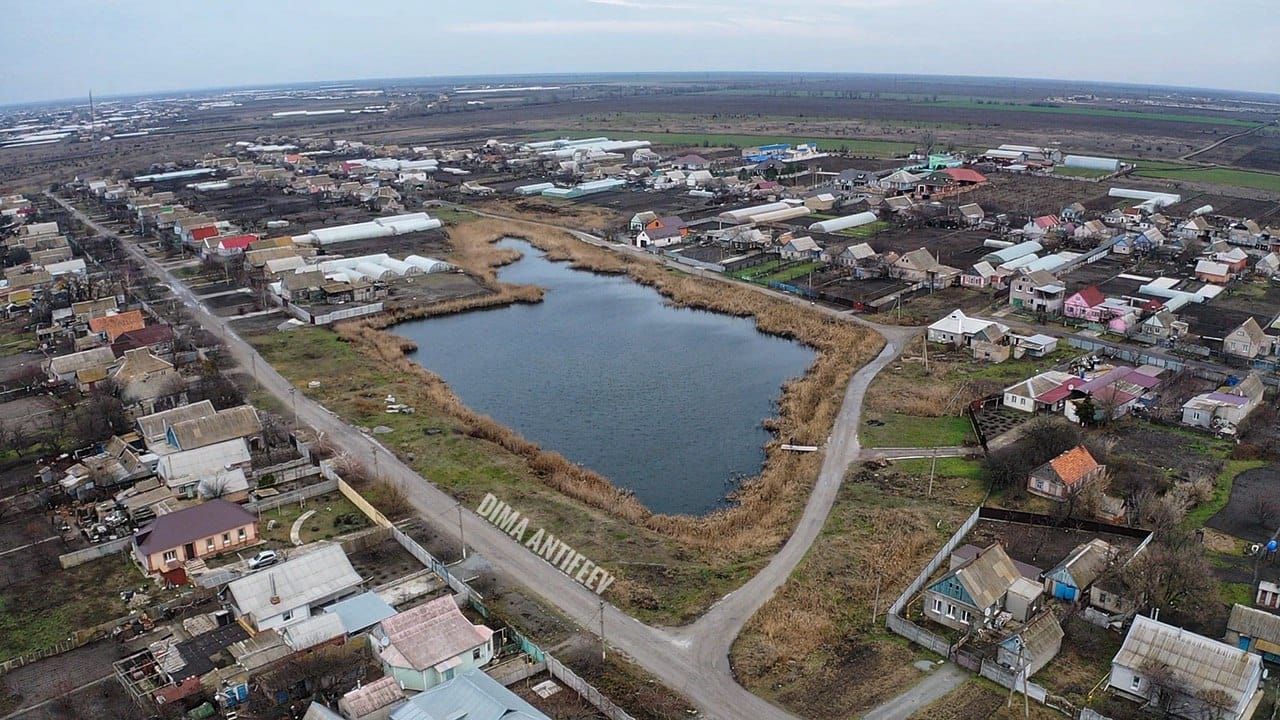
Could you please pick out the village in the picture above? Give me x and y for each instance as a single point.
(253, 567)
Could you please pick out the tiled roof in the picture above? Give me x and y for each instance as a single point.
(1072, 465)
(1092, 296)
(116, 325)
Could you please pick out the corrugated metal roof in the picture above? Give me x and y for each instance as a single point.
(297, 582)
(207, 460)
(988, 576)
(1254, 623)
(362, 611)
(156, 425)
(472, 695)
(433, 633)
(1200, 664)
(376, 695)
(236, 422)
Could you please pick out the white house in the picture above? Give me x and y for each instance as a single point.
(1188, 675)
(427, 645)
(295, 589)
(959, 329)
(1225, 408)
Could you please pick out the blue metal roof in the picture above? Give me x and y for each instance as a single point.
(361, 612)
(472, 695)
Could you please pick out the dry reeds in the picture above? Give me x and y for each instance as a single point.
(765, 506)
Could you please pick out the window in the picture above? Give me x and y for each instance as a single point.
(241, 534)
(226, 538)
(477, 653)
(286, 615)
(965, 616)
(208, 544)
(170, 555)
(448, 674)
(1135, 682)
(951, 611)
(937, 605)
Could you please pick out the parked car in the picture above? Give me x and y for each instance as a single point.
(265, 558)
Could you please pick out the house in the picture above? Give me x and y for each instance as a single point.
(821, 202)
(294, 589)
(374, 701)
(850, 256)
(1038, 291)
(964, 177)
(146, 382)
(1085, 303)
(691, 162)
(1256, 631)
(920, 266)
(901, 180)
(469, 696)
(209, 528)
(1195, 228)
(980, 275)
(1065, 475)
(1090, 230)
(1113, 393)
(972, 213)
(427, 645)
(972, 594)
(1037, 345)
(660, 237)
(110, 327)
(157, 338)
(231, 424)
(1071, 579)
(801, 248)
(899, 204)
(1187, 675)
(960, 330)
(183, 471)
(1225, 408)
(1039, 227)
(68, 368)
(1247, 341)
(1268, 265)
(302, 287)
(1213, 272)
(154, 428)
(1040, 393)
(1032, 647)
(1072, 213)
(1162, 326)
(1235, 259)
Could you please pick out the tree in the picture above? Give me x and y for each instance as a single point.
(1173, 577)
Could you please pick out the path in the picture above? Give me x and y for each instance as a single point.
(935, 686)
(295, 532)
(694, 659)
(1228, 138)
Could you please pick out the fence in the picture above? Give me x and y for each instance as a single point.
(369, 510)
(15, 663)
(586, 690)
(80, 557)
(293, 496)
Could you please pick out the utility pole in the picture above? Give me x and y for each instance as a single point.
(603, 656)
(933, 465)
(462, 538)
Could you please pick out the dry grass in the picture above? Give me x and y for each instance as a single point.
(980, 699)
(814, 647)
(554, 212)
(766, 506)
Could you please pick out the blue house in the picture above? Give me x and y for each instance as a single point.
(973, 593)
(1256, 631)
(1073, 577)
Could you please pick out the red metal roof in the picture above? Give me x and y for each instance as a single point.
(201, 233)
(965, 175)
(1060, 392)
(1092, 296)
(236, 242)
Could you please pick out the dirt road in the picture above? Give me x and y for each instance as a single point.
(694, 659)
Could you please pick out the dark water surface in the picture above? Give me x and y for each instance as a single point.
(665, 402)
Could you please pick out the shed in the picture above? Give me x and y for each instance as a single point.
(1033, 646)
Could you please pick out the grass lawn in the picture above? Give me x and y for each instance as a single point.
(17, 343)
(1217, 176)
(1097, 112)
(43, 611)
(450, 216)
(866, 231)
(901, 430)
(881, 148)
(947, 467)
(791, 273)
(1221, 491)
(321, 526)
(751, 273)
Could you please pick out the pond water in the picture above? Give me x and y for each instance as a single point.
(665, 402)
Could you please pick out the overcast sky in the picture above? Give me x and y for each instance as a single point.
(63, 48)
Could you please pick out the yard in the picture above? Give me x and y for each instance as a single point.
(43, 611)
(898, 430)
(865, 231)
(1243, 503)
(814, 647)
(1168, 170)
(791, 273)
(334, 515)
(979, 698)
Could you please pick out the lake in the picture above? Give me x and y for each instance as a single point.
(665, 402)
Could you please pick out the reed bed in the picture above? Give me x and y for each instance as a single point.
(764, 508)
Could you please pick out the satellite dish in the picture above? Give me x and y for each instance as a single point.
(385, 641)
(1253, 549)
(1271, 546)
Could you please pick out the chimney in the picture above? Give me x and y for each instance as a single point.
(275, 597)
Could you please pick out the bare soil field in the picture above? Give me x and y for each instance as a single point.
(1252, 511)
(1258, 209)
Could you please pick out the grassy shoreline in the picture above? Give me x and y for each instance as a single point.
(670, 567)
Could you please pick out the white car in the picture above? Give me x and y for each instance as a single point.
(265, 558)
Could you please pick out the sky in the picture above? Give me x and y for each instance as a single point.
(65, 48)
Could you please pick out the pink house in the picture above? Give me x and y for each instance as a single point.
(1085, 304)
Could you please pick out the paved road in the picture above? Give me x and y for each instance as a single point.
(693, 659)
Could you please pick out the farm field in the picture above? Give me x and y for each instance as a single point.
(1216, 176)
(1097, 112)
(884, 148)
(1079, 172)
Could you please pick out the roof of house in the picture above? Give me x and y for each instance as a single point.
(362, 611)
(199, 521)
(1041, 638)
(1040, 279)
(988, 575)
(1037, 385)
(157, 424)
(859, 251)
(1073, 465)
(376, 695)
(312, 631)
(899, 202)
(1209, 267)
(1200, 664)
(1045, 222)
(316, 711)
(223, 425)
(429, 634)
(920, 259)
(295, 582)
(968, 551)
(200, 462)
(139, 363)
(1254, 623)
(662, 233)
(960, 174)
(116, 325)
(803, 244)
(1087, 561)
(958, 323)
(236, 242)
(1251, 328)
(99, 357)
(146, 337)
(901, 177)
(472, 695)
(303, 280)
(971, 210)
(1092, 296)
